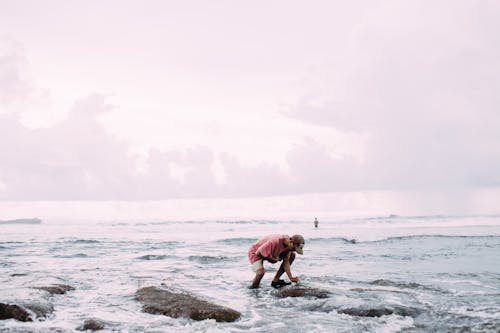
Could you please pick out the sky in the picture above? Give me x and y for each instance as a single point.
(154, 100)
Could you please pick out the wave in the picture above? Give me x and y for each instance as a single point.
(85, 241)
(422, 237)
(208, 221)
(426, 217)
(207, 259)
(332, 239)
(6, 263)
(153, 257)
(384, 217)
(22, 221)
(396, 238)
(237, 241)
(76, 255)
(249, 222)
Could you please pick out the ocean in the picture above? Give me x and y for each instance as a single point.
(383, 274)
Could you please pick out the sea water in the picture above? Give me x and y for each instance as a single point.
(431, 273)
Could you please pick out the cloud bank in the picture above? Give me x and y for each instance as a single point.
(410, 102)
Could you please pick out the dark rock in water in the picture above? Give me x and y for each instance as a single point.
(12, 311)
(379, 312)
(35, 302)
(181, 304)
(91, 324)
(56, 289)
(298, 291)
(388, 283)
(366, 312)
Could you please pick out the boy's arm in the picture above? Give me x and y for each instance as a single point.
(286, 266)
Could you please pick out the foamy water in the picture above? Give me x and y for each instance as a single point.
(434, 273)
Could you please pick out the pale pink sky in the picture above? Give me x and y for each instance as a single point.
(134, 100)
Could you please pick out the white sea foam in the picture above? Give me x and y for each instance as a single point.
(392, 323)
(481, 312)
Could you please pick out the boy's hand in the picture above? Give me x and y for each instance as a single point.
(295, 279)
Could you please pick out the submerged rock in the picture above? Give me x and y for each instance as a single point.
(381, 311)
(56, 289)
(91, 324)
(181, 304)
(299, 291)
(13, 311)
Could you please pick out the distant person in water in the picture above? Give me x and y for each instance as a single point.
(274, 248)
(316, 222)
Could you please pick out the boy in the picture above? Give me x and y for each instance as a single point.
(274, 248)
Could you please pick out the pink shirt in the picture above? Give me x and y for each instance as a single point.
(268, 246)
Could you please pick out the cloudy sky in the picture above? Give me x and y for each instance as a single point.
(148, 100)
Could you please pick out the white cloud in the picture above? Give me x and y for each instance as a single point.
(392, 95)
(421, 81)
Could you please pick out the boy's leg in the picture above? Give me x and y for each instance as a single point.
(258, 267)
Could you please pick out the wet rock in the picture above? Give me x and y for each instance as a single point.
(388, 283)
(379, 312)
(298, 291)
(58, 289)
(366, 312)
(36, 301)
(37, 306)
(13, 311)
(181, 304)
(91, 324)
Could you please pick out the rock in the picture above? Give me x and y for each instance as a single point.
(56, 289)
(35, 304)
(379, 312)
(298, 291)
(366, 312)
(181, 304)
(12, 311)
(34, 301)
(91, 324)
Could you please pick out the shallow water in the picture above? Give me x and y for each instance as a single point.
(386, 274)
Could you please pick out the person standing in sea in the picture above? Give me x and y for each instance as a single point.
(274, 248)
(316, 222)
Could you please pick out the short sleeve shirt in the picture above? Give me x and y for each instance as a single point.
(269, 246)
